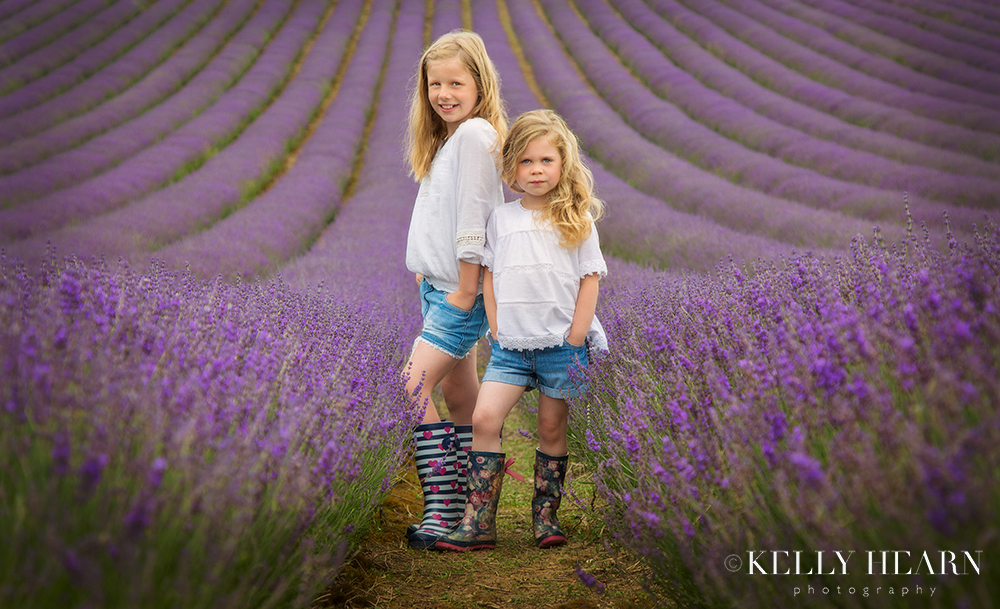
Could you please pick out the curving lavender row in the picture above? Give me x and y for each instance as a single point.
(802, 404)
(655, 171)
(977, 86)
(979, 11)
(90, 60)
(281, 223)
(360, 256)
(206, 445)
(25, 34)
(233, 175)
(117, 76)
(30, 16)
(637, 226)
(9, 8)
(700, 64)
(175, 156)
(447, 16)
(968, 50)
(740, 123)
(31, 65)
(673, 130)
(766, 40)
(916, 58)
(849, 108)
(987, 20)
(49, 172)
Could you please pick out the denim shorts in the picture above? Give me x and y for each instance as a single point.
(448, 328)
(548, 369)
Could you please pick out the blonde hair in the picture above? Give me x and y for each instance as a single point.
(572, 207)
(427, 132)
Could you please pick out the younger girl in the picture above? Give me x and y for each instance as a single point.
(543, 262)
(457, 124)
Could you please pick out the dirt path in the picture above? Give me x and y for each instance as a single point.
(387, 574)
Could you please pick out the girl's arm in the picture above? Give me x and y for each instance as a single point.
(490, 301)
(468, 286)
(586, 305)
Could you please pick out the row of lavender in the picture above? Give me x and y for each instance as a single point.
(214, 444)
(805, 431)
(172, 442)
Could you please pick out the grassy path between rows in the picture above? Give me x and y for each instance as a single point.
(385, 573)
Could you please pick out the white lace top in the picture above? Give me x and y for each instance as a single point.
(454, 201)
(536, 281)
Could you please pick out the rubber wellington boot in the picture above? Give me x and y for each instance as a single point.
(463, 444)
(550, 472)
(477, 529)
(435, 455)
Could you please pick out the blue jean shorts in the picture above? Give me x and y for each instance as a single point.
(548, 370)
(448, 328)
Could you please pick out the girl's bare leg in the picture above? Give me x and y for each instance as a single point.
(553, 420)
(460, 388)
(426, 369)
(494, 404)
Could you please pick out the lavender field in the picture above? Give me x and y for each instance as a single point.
(204, 308)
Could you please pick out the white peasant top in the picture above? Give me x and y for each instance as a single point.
(536, 281)
(455, 199)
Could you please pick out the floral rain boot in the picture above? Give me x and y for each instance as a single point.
(477, 529)
(549, 475)
(435, 455)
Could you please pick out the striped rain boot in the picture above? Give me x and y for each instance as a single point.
(550, 472)
(463, 444)
(435, 455)
(477, 529)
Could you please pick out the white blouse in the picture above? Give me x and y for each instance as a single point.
(454, 201)
(536, 281)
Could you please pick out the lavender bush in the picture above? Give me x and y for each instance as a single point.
(170, 442)
(805, 405)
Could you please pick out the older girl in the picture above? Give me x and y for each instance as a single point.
(457, 125)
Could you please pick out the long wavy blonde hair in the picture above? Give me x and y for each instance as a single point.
(427, 131)
(572, 207)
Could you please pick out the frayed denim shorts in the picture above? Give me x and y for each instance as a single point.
(448, 328)
(548, 369)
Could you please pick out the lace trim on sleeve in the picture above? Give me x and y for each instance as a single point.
(594, 266)
(470, 238)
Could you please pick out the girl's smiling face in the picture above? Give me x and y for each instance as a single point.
(451, 91)
(538, 171)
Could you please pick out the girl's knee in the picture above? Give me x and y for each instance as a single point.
(552, 428)
(486, 423)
